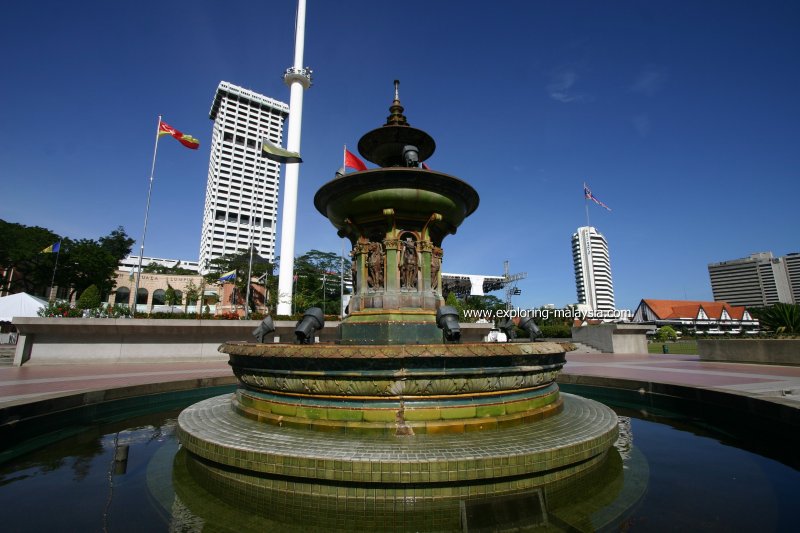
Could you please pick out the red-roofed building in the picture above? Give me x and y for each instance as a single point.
(701, 317)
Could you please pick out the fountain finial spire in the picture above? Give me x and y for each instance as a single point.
(386, 144)
(397, 118)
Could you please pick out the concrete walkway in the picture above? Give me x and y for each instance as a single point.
(781, 384)
(769, 382)
(20, 385)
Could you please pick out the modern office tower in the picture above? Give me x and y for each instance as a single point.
(242, 191)
(592, 269)
(758, 280)
(792, 262)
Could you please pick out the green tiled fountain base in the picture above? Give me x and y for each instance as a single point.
(566, 505)
(549, 449)
(453, 414)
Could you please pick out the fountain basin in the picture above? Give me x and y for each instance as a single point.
(442, 388)
(442, 422)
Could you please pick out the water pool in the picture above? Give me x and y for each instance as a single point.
(668, 471)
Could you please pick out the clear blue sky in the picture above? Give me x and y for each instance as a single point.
(683, 117)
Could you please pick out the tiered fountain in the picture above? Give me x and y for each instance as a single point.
(393, 421)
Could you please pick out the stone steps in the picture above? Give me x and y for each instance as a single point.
(585, 348)
(7, 354)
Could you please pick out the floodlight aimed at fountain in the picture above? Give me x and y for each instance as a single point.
(526, 323)
(507, 326)
(266, 327)
(447, 319)
(313, 320)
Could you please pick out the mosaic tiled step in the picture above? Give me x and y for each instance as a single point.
(564, 443)
(259, 486)
(219, 495)
(452, 414)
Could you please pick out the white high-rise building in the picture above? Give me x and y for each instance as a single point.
(592, 269)
(242, 191)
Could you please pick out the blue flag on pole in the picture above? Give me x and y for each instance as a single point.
(52, 249)
(228, 276)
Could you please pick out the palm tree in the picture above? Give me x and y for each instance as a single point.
(783, 319)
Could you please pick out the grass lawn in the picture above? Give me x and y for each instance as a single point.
(688, 347)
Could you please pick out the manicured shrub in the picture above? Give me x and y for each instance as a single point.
(89, 299)
(558, 331)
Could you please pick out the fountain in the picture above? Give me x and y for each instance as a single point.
(397, 416)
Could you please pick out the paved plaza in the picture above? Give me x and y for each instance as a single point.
(781, 384)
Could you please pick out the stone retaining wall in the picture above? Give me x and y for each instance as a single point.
(613, 338)
(124, 340)
(770, 351)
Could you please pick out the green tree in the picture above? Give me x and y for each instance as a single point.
(666, 333)
(89, 299)
(117, 243)
(453, 301)
(86, 262)
(488, 302)
(192, 294)
(318, 284)
(559, 319)
(170, 296)
(177, 270)
(262, 269)
(21, 253)
(83, 263)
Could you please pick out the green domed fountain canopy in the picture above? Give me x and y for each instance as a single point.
(358, 203)
(396, 218)
(384, 146)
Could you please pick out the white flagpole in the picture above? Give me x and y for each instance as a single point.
(299, 79)
(586, 203)
(146, 214)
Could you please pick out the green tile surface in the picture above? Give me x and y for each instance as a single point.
(583, 430)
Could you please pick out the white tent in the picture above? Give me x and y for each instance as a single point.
(20, 304)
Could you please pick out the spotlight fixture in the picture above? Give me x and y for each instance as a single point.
(507, 326)
(411, 155)
(312, 321)
(530, 326)
(447, 320)
(266, 327)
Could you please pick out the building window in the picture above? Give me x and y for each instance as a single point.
(141, 297)
(123, 296)
(159, 297)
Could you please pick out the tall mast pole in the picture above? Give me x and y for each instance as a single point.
(146, 215)
(298, 79)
